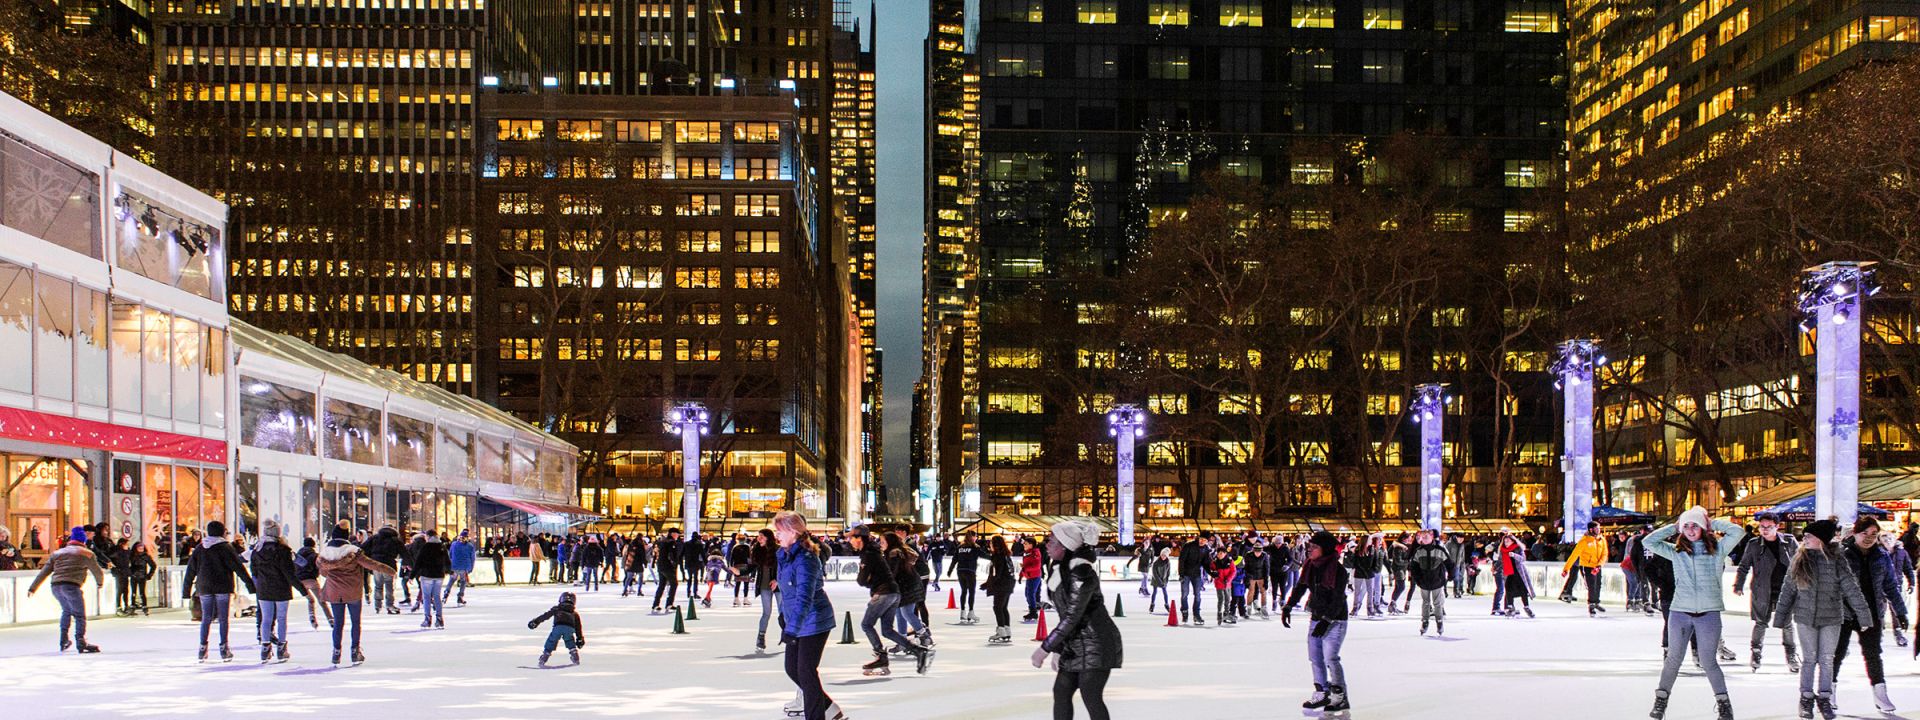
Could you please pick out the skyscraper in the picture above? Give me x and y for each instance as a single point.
(1097, 121)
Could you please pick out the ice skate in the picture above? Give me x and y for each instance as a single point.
(1336, 701)
(358, 658)
(760, 642)
(1793, 661)
(336, 656)
(1529, 610)
(1423, 627)
(543, 658)
(203, 651)
(1723, 707)
(1727, 655)
(1439, 627)
(281, 655)
(1825, 704)
(1318, 700)
(1001, 636)
(923, 659)
(266, 652)
(1806, 707)
(876, 668)
(574, 655)
(84, 647)
(795, 707)
(1880, 699)
(1659, 705)
(1899, 638)
(1753, 660)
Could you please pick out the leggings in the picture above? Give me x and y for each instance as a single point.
(122, 592)
(1001, 617)
(1869, 650)
(1517, 590)
(742, 586)
(1683, 627)
(139, 590)
(803, 667)
(1092, 686)
(967, 588)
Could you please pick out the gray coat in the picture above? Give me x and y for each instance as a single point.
(1825, 601)
(1086, 637)
(1762, 565)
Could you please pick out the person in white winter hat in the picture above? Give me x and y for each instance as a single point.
(1698, 560)
(1085, 646)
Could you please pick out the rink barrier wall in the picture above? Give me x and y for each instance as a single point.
(163, 591)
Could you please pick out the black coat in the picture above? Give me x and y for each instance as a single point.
(1325, 585)
(210, 570)
(307, 564)
(274, 575)
(384, 547)
(430, 559)
(912, 588)
(876, 575)
(1086, 637)
(1000, 574)
(666, 558)
(1193, 559)
(591, 554)
(966, 560)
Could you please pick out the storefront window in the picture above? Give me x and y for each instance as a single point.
(276, 417)
(53, 346)
(1236, 501)
(409, 444)
(90, 352)
(641, 502)
(156, 487)
(757, 463)
(156, 328)
(16, 328)
(45, 497)
(351, 432)
(1096, 500)
(186, 503)
(757, 503)
(1164, 501)
(186, 369)
(127, 322)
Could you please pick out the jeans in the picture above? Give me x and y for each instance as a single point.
(1459, 580)
(1159, 592)
(458, 579)
(910, 618)
(433, 604)
(1190, 589)
(803, 668)
(667, 589)
(1033, 596)
(939, 568)
(969, 584)
(533, 578)
(210, 606)
(1635, 593)
(382, 591)
(1092, 686)
(559, 634)
(1869, 650)
(880, 612)
(499, 569)
(1823, 643)
(1762, 610)
(343, 615)
(1366, 594)
(631, 578)
(273, 621)
(766, 609)
(1704, 627)
(73, 610)
(1433, 604)
(590, 580)
(1323, 653)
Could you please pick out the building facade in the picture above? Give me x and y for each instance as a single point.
(946, 429)
(1098, 122)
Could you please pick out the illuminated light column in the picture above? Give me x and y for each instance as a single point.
(689, 421)
(1830, 300)
(1574, 372)
(1430, 410)
(1124, 424)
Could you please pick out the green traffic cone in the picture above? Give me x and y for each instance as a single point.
(692, 613)
(846, 638)
(1117, 612)
(679, 623)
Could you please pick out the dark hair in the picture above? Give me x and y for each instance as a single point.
(1000, 544)
(1865, 521)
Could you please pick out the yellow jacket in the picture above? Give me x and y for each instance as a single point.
(1589, 552)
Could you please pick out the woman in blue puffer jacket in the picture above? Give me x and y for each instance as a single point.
(1698, 560)
(806, 613)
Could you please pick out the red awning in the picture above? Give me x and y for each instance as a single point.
(543, 508)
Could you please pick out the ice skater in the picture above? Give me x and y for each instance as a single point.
(999, 586)
(68, 567)
(1765, 562)
(1085, 646)
(277, 579)
(1510, 566)
(566, 628)
(1868, 562)
(1430, 569)
(345, 569)
(1698, 559)
(1816, 599)
(1323, 581)
(806, 615)
(211, 568)
(966, 574)
(1162, 567)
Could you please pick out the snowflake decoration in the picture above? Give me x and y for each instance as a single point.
(1842, 424)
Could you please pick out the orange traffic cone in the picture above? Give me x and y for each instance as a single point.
(1040, 631)
(950, 603)
(1173, 613)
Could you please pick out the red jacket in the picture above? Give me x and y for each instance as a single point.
(1030, 564)
(1223, 572)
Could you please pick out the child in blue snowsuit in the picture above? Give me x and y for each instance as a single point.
(566, 628)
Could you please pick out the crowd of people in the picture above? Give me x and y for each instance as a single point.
(1828, 589)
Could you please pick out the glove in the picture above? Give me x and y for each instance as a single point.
(1039, 656)
(1053, 660)
(1286, 618)
(787, 638)
(1320, 628)
(531, 624)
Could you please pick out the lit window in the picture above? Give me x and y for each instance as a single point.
(1383, 404)
(1167, 12)
(1383, 15)
(1529, 174)
(1013, 402)
(1312, 171)
(756, 278)
(1533, 16)
(1313, 13)
(1242, 13)
(1098, 12)
(1013, 357)
(1006, 452)
(1167, 403)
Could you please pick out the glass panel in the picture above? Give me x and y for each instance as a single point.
(163, 244)
(125, 364)
(523, 469)
(45, 197)
(156, 328)
(276, 417)
(490, 465)
(186, 369)
(90, 350)
(213, 385)
(319, 518)
(362, 508)
(351, 432)
(453, 454)
(53, 348)
(157, 494)
(246, 488)
(187, 507)
(409, 444)
(16, 328)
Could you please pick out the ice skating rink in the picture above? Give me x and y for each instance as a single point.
(1562, 666)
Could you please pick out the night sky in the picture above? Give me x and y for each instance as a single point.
(902, 30)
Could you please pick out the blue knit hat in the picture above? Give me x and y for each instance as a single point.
(78, 535)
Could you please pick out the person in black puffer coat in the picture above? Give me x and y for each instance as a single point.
(591, 555)
(384, 548)
(902, 561)
(1085, 647)
(277, 579)
(430, 564)
(210, 572)
(1323, 581)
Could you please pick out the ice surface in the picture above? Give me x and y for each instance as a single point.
(1561, 666)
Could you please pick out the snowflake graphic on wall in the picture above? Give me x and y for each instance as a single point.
(35, 195)
(1842, 424)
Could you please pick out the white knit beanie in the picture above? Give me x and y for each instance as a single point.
(1696, 516)
(1075, 534)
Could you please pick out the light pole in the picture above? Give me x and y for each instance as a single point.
(1831, 298)
(1574, 369)
(689, 421)
(1430, 410)
(1125, 422)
